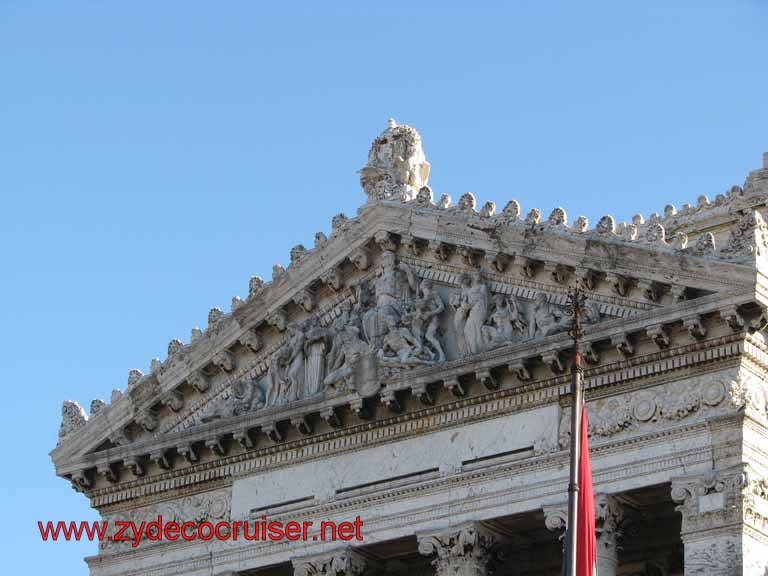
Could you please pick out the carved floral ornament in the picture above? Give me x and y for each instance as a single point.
(339, 563)
(461, 550)
(671, 402)
(206, 507)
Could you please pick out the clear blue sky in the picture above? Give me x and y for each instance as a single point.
(155, 155)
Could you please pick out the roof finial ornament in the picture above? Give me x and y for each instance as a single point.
(397, 168)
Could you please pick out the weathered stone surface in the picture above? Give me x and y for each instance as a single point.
(412, 368)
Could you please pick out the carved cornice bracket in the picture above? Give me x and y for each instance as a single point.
(273, 432)
(332, 417)
(488, 380)
(199, 381)
(559, 272)
(251, 340)
(651, 290)
(623, 344)
(679, 293)
(660, 335)
(189, 452)
(244, 438)
(620, 284)
(224, 360)
(498, 260)
(454, 386)
(442, 250)
(471, 256)
(695, 327)
(360, 408)
(302, 424)
(387, 241)
(81, 480)
(135, 465)
(147, 419)
(174, 400)
(161, 459)
(529, 266)
(305, 299)
(554, 361)
(109, 472)
(587, 277)
(591, 353)
(520, 369)
(278, 319)
(216, 445)
(361, 258)
(390, 400)
(732, 317)
(415, 246)
(333, 279)
(421, 391)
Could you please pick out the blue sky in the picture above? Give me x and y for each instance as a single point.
(154, 156)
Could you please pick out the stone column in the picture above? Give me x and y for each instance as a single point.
(724, 522)
(342, 562)
(465, 550)
(609, 515)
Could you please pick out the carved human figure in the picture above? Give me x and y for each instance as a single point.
(424, 319)
(317, 344)
(546, 319)
(399, 345)
(246, 396)
(276, 380)
(460, 302)
(295, 372)
(471, 312)
(393, 285)
(349, 347)
(286, 377)
(504, 323)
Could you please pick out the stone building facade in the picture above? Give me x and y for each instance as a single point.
(412, 369)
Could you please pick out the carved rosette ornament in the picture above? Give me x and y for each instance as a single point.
(462, 551)
(339, 563)
(397, 168)
(645, 409)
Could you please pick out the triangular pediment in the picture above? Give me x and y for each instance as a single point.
(406, 294)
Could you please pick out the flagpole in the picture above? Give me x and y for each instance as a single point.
(576, 306)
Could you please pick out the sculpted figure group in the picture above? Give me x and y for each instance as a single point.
(399, 320)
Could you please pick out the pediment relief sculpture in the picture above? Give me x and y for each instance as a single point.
(385, 299)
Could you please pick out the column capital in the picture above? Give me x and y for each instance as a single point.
(342, 562)
(609, 519)
(711, 500)
(556, 517)
(463, 550)
(725, 519)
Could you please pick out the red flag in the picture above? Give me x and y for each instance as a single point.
(586, 557)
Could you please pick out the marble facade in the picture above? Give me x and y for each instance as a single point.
(412, 369)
